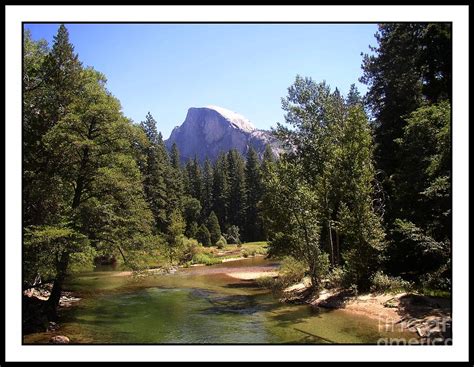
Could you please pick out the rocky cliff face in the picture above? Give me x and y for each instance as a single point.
(209, 131)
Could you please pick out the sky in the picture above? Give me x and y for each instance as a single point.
(167, 68)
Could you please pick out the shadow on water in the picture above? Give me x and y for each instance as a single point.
(198, 306)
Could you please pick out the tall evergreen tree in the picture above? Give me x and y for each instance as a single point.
(99, 194)
(220, 191)
(409, 76)
(253, 193)
(410, 66)
(155, 172)
(207, 188)
(194, 178)
(236, 174)
(52, 81)
(214, 228)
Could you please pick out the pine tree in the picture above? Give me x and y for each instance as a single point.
(52, 81)
(220, 191)
(207, 188)
(214, 228)
(253, 193)
(236, 174)
(173, 180)
(194, 179)
(353, 97)
(99, 193)
(203, 235)
(155, 172)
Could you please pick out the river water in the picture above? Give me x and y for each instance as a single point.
(202, 305)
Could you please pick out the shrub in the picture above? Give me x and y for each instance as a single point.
(221, 243)
(291, 271)
(189, 247)
(335, 278)
(269, 283)
(382, 283)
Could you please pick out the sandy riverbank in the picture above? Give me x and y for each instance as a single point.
(428, 317)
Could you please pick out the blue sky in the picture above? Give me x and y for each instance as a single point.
(247, 68)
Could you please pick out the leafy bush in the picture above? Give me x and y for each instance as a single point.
(291, 271)
(335, 278)
(189, 247)
(269, 283)
(438, 281)
(382, 283)
(221, 243)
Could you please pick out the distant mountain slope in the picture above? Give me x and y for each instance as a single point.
(208, 131)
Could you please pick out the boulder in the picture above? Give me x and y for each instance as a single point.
(59, 339)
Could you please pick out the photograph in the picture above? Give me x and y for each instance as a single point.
(252, 182)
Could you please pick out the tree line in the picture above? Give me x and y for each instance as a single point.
(364, 189)
(364, 184)
(96, 184)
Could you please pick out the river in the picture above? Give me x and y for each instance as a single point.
(198, 305)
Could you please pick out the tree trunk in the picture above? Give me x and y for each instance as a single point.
(331, 242)
(52, 303)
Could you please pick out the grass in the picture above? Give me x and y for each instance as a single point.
(435, 293)
(247, 249)
(207, 259)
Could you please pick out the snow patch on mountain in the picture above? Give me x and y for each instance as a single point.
(239, 121)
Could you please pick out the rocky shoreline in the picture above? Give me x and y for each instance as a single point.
(34, 318)
(428, 318)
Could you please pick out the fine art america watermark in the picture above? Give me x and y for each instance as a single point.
(430, 332)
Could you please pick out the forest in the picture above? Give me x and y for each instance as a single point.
(361, 194)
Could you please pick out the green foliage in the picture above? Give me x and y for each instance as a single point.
(220, 191)
(82, 190)
(221, 243)
(206, 259)
(214, 228)
(319, 196)
(253, 193)
(233, 235)
(191, 212)
(291, 271)
(335, 278)
(409, 77)
(44, 245)
(207, 197)
(189, 248)
(236, 180)
(382, 283)
(203, 235)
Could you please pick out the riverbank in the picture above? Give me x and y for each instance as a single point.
(429, 318)
(34, 301)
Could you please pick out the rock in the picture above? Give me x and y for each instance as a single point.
(53, 326)
(59, 339)
(208, 131)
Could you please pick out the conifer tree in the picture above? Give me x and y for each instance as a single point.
(214, 228)
(253, 193)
